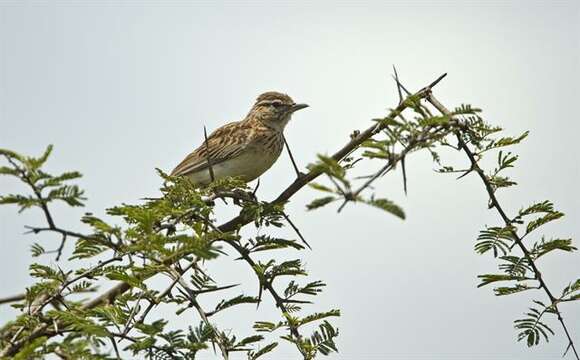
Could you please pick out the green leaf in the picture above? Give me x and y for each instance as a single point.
(36, 250)
(320, 187)
(125, 277)
(57, 180)
(322, 340)
(506, 141)
(151, 329)
(249, 340)
(265, 242)
(539, 207)
(542, 248)
(435, 120)
(318, 316)
(87, 248)
(11, 154)
(532, 329)
(265, 326)
(320, 202)
(4, 170)
(501, 181)
(509, 290)
(240, 299)
(328, 166)
(70, 194)
(534, 224)
(24, 202)
(141, 345)
(312, 288)
(263, 351)
(487, 279)
(82, 323)
(570, 290)
(28, 350)
(36, 163)
(495, 239)
(46, 272)
(388, 206)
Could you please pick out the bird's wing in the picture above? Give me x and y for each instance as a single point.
(225, 143)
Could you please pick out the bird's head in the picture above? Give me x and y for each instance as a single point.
(274, 109)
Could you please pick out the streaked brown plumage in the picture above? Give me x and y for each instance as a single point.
(246, 148)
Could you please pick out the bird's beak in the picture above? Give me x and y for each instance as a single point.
(297, 107)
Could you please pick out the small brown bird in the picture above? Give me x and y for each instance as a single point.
(244, 149)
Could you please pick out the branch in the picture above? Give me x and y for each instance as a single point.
(495, 204)
(192, 297)
(13, 298)
(233, 224)
(268, 285)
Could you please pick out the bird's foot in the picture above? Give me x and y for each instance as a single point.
(240, 195)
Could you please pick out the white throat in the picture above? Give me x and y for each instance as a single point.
(281, 124)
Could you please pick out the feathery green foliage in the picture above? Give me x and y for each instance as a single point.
(66, 312)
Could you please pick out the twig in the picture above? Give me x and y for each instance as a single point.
(419, 139)
(13, 298)
(134, 311)
(192, 297)
(132, 339)
(266, 284)
(61, 247)
(157, 300)
(115, 347)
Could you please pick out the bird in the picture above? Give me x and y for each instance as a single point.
(243, 149)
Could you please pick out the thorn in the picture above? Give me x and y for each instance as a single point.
(430, 86)
(256, 188)
(464, 174)
(404, 175)
(342, 205)
(396, 77)
(296, 230)
(298, 173)
(211, 174)
(567, 349)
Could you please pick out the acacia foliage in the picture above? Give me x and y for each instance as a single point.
(177, 234)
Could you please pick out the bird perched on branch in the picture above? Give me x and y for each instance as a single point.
(244, 149)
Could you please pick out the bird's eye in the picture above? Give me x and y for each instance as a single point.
(276, 104)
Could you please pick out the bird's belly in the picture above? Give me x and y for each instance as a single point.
(247, 166)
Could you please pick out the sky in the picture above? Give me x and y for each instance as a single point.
(123, 88)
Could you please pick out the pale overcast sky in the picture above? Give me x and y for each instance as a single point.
(122, 88)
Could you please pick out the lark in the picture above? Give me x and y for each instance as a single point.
(244, 149)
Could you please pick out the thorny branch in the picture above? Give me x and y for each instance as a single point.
(429, 134)
(231, 225)
(508, 222)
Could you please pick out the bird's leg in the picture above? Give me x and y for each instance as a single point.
(239, 195)
(298, 173)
